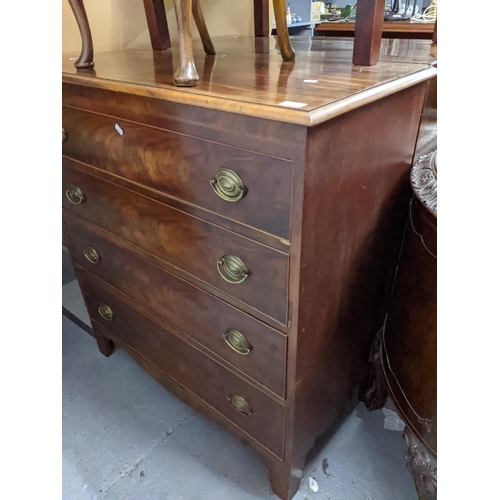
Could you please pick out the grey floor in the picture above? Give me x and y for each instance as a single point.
(126, 437)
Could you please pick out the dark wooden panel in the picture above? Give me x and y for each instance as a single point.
(368, 32)
(189, 367)
(356, 192)
(157, 24)
(427, 133)
(183, 167)
(411, 328)
(184, 242)
(261, 17)
(197, 314)
(282, 140)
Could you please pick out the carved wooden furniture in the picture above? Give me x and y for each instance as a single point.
(239, 241)
(409, 347)
(86, 58)
(403, 355)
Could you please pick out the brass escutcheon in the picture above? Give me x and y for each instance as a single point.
(237, 342)
(105, 312)
(228, 185)
(75, 195)
(240, 404)
(232, 269)
(91, 254)
(64, 136)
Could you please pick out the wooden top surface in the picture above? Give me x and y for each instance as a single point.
(248, 76)
(389, 27)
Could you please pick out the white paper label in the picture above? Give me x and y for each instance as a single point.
(293, 104)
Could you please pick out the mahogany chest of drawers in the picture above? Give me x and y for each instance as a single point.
(241, 250)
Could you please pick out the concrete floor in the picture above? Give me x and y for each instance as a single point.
(125, 437)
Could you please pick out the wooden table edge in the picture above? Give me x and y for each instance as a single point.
(306, 118)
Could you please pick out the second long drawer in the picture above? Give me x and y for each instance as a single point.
(251, 272)
(244, 342)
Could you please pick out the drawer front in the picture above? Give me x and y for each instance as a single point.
(186, 168)
(189, 367)
(199, 315)
(197, 247)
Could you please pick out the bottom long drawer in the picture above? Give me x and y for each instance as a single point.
(247, 407)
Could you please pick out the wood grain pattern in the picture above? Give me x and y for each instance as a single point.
(184, 242)
(282, 140)
(183, 167)
(174, 300)
(232, 84)
(189, 367)
(229, 224)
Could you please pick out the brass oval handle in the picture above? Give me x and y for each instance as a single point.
(64, 136)
(106, 312)
(228, 185)
(75, 195)
(237, 342)
(91, 254)
(232, 269)
(240, 404)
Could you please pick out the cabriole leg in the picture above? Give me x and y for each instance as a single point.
(186, 74)
(86, 59)
(287, 52)
(202, 28)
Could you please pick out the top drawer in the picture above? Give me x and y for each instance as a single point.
(250, 188)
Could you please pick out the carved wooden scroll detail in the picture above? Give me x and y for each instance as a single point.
(422, 467)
